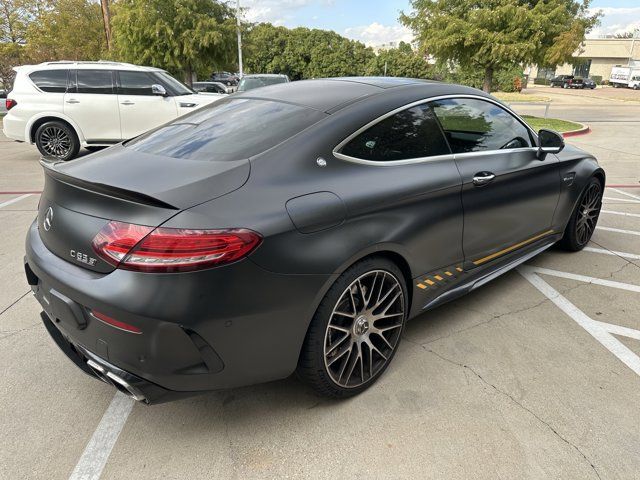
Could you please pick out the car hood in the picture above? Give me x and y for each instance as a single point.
(177, 182)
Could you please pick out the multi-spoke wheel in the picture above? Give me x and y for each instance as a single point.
(356, 330)
(584, 218)
(56, 139)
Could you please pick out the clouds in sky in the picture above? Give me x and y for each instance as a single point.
(378, 34)
(616, 20)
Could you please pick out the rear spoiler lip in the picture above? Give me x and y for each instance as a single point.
(103, 189)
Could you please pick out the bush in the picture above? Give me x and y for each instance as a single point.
(541, 81)
(597, 79)
(503, 80)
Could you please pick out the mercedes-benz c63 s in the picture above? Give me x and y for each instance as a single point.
(294, 227)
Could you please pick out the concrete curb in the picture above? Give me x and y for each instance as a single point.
(580, 131)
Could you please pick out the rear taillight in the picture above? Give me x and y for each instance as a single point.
(115, 323)
(9, 103)
(145, 249)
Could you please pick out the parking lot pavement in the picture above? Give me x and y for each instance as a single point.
(535, 375)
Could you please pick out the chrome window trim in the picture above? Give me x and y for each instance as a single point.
(450, 156)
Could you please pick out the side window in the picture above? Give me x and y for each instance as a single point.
(135, 83)
(476, 125)
(50, 80)
(94, 81)
(411, 133)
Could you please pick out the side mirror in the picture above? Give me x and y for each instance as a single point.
(158, 90)
(549, 141)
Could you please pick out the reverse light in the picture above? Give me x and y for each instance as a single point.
(145, 249)
(115, 323)
(9, 103)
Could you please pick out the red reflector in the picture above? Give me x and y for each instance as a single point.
(134, 247)
(9, 103)
(115, 323)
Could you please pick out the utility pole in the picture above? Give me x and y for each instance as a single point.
(106, 18)
(239, 38)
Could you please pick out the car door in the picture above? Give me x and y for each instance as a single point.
(141, 109)
(509, 195)
(92, 104)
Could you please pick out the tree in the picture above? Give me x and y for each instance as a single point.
(10, 56)
(400, 62)
(496, 34)
(13, 21)
(184, 36)
(65, 30)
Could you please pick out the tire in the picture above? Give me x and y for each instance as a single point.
(56, 139)
(343, 353)
(582, 225)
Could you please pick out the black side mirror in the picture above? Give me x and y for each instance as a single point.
(549, 141)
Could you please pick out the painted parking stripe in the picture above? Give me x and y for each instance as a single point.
(624, 214)
(626, 194)
(14, 200)
(95, 455)
(619, 230)
(629, 256)
(602, 332)
(621, 199)
(581, 278)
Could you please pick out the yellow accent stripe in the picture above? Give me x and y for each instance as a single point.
(448, 273)
(511, 248)
(459, 269)
(438, 277)
(421, 286)
(429, 282)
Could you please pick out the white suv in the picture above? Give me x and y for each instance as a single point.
(62, 106)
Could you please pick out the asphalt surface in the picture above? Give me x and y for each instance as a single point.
(535, 375)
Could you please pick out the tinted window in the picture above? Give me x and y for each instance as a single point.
(94, 81)
(50, 80)
(227, 130)
(475, 125)
(411, 133)
(178, 87)
(135, 83)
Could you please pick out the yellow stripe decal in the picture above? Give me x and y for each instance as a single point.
(429, 282)
(438, 277)
(448, 273)
(458, 269)
(511, 248)
(422, 286)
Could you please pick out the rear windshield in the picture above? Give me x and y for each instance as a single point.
(227, 130)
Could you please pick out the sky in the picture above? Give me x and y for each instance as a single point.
(375, 22)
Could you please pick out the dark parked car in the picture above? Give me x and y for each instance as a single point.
(210, 87)
(297, 227)
(3, 93)
(226, 78)
(249, 82)
(588, 83)
(566, 81)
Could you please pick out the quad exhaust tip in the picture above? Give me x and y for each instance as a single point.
(120, 383)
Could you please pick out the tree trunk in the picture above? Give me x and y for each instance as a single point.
(488, 79)
(188, 74)
(106, 18)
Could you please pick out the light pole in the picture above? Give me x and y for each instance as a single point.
(239, 38)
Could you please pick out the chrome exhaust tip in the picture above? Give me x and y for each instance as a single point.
(120, 383)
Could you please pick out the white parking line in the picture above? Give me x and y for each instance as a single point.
(621, 192)
(621, 199)
(630, 256)
(95, 455)
(581, 278)
(619, 230)
(14, 200)
(624, 214)
(599, 330)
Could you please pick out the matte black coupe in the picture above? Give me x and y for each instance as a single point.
(295, 227)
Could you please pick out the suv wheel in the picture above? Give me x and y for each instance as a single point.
(356, 330)
(56, 139)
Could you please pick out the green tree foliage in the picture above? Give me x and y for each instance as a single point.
(400, 62)
(65, 30)
(183, 36)
(304, 53)
(494, 35)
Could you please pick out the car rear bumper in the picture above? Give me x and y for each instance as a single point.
(218, 328)
(13, 128)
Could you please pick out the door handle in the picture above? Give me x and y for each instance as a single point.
(127, 102)
(483, 178)
(73, 100)
(187, 105)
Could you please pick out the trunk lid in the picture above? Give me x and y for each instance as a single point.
(82, 196)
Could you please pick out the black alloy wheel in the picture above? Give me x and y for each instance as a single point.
(57, 140)
(584, 218)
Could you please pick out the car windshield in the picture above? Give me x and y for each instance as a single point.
(230, 129)
(249, 83)
(179, 87)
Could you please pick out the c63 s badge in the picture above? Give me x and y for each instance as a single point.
(82, 257)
